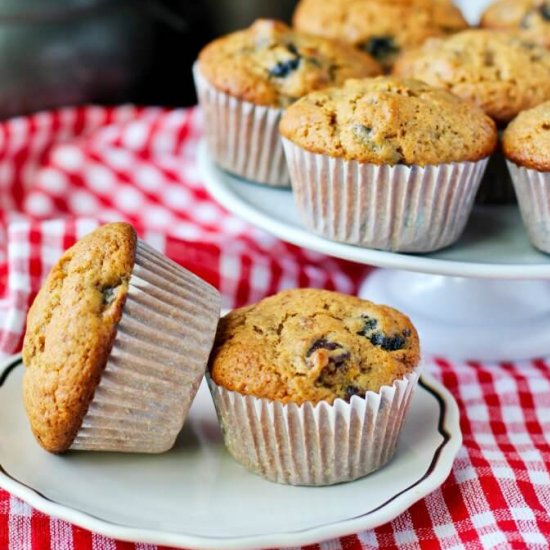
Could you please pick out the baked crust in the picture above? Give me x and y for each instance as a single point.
(383, 28)
(71, 327)
(269, 64)
(526, 141)
(312, 345)
(498, 71)
(392, 121)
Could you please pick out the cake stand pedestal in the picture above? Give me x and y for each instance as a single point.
(485, 298)
(466, 318)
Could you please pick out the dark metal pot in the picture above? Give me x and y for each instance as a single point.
(61, 52)
(229, 15)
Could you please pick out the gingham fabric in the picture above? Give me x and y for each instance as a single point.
(62, 173)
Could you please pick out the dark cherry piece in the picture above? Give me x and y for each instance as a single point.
(284, 68)
(109, 295)
(381, 47)
(322, 344)
(390, 343)
(353, 390)
(369, 324)
(337, 361)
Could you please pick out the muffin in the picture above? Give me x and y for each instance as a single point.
(245, 80)
(312, 387)
(497, 71)
(530, 18)
(382, 28)
(526, 145)
(117, 342)
(386, 163)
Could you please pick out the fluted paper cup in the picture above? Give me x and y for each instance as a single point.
(533, 193)
(243, 138)
(311, 444)
(398, 208)
(157, 361)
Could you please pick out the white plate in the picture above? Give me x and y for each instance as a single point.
(197, 496)
(494, 245)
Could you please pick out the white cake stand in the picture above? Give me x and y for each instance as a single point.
(485, 298)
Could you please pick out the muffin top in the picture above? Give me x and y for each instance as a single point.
(498, 71)
(70, 330)
(526, 141)
(388, 120)
(383, 28)
(312, 345)
(270, 64)
(530, 17)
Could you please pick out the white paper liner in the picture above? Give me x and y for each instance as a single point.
(313, 444)
(397, 208)
(242, 138)
(157, 361)
(533, 193)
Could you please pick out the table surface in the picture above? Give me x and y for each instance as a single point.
(62, 173)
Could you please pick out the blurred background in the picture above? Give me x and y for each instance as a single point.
(66, 52)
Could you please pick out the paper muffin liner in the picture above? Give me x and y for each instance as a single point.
(311, 444)
(157, 361)
(242, 138)
(533, 193)
(397, 208)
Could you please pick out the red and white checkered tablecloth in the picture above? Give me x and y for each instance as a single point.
(63, 172)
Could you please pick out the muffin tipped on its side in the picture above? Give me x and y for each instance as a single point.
(116, 345)
(70, 331)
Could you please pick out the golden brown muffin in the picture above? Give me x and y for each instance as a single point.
(526, 141)
(312, 345)
(389, 120)
(269, 64)
(497, 71)
(70, 330)
(382, 28)
(531, 18)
